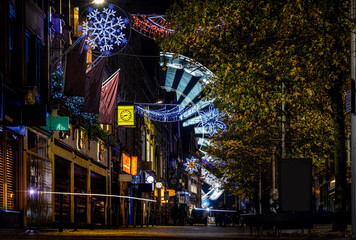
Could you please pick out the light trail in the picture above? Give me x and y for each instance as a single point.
(215, 210)
(33, 192)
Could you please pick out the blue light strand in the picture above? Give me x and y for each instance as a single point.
(163, 114)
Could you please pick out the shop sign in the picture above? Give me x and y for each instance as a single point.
(125, 178)
(126, 162)
(134, 165)
(126, 115)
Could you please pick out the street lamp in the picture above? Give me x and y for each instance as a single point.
(98, 1)
(31, 191)
(159, 185)
(150, 179)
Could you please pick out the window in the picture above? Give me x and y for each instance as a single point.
(37, 144)
(32, 141)
(193, 188)
(143, 145)
(12, 49)
(34, 63)
(80, 139)
(42, 147)
(101, 151)
(148, 158)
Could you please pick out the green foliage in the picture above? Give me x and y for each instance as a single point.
(74, 105)
(254, 48)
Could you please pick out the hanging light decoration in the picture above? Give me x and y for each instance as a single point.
(211, 120)
(164, 114)
(151, 26)
(191, 165)
(108, 29)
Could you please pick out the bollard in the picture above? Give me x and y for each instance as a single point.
(60, 213)
(127, 214)
(75, 214)
(134, 213)
(147, 222)
(92, 214)
(109, 217)
(142, 216)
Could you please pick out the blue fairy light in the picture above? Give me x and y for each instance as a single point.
(111, 6)
(164, 114)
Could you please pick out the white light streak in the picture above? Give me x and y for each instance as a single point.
(94, 194)
(215, 210)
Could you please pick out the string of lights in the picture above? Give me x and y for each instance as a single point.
(151, 26)
(164, 114)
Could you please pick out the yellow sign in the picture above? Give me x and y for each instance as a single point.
(125, 115)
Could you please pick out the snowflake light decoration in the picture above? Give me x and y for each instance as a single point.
(191, 165)
(211, 120)
(107, 31)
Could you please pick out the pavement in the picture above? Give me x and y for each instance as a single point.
(172, 233)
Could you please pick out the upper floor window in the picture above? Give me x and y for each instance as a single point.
(101, 151)
(34, 65)
(81, 139)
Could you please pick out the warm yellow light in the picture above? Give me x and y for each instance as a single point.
(98, 1)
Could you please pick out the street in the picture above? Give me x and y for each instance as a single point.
(171, 232)
(156, 232)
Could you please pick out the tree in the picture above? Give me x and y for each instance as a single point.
(266, 54)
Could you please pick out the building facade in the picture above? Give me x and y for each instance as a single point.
(63, 175)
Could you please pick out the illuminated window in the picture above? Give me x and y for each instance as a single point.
(101, 151)
(193, 188)
(148, 159)
(80, 139)
(143, 145)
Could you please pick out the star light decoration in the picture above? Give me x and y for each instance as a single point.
(107, 32)
(191, 165)
(211, 120)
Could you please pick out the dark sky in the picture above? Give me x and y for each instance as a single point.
(145, 6)
(135, 6)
